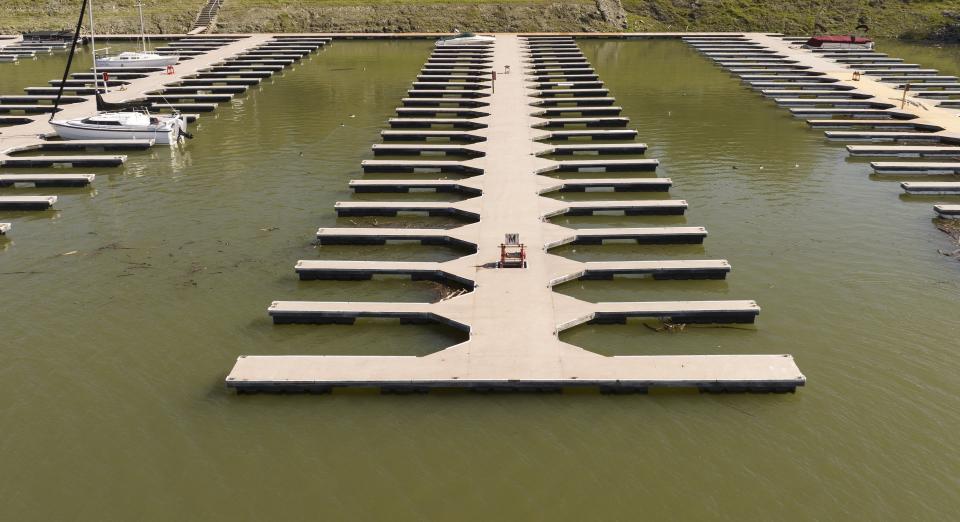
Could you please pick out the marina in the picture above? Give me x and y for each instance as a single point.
(133, 297)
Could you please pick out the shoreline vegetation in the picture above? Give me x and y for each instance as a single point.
(933, 20)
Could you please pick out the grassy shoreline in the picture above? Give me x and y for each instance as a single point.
(933, 20)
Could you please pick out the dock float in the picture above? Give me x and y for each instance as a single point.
(947, 211)
(132, 144)
(380, 236)
(511, 315)
(362, 270)
(435, 102)
(392, 208)
(27, 202)
(439, 185)
(425, 123)
(601, 110)
(903, 150)
(312, 312)
(555, 101)
(883, 136)
(197, 97)
(598, 134)
(915, 167)
(668, 207)
(599, 121)
(76, 161)
(459, 112)
(602, 165)
(47, 180)
(28, 109)
(431, 135)
(661, 270)
(641, 235)
(761, 85)
(547, 93)
(441, 93)
(615, 184)
(459, 167)
(196, 107)
(603, 148)
(932, 188)
(814, 93)
(877, 124)
(443, 149)
(854, 103)
(679, 311)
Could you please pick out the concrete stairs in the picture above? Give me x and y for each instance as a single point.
(207, 17)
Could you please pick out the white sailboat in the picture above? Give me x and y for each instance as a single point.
(144, 58)
(130, 59)
(464, 39)
(119, 120)
(122, 125)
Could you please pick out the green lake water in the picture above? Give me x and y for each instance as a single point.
(123, 311)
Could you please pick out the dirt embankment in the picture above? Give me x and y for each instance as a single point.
(601, 15)
(909, 19)
(914, 19)
(112, 16)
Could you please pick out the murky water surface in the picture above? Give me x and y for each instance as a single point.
(942, 56)
(124, 309)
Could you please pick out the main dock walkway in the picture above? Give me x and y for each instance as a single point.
(512, 315)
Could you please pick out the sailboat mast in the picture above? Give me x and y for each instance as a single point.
(66, 70)
(93, 50)
(143, 32)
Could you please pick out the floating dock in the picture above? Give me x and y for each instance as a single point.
(75, 161)
(47, 180)
(947, 211)
(931, 188)
(922, 168)
(512, 315)
(27, 202)
(903, 150)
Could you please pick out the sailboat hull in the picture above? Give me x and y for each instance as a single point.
(162, 61)
(70, 130)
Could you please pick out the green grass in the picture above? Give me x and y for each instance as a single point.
(895, 18)
(917, 19)
(111, 16)
(236, 4)
(409, 15)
